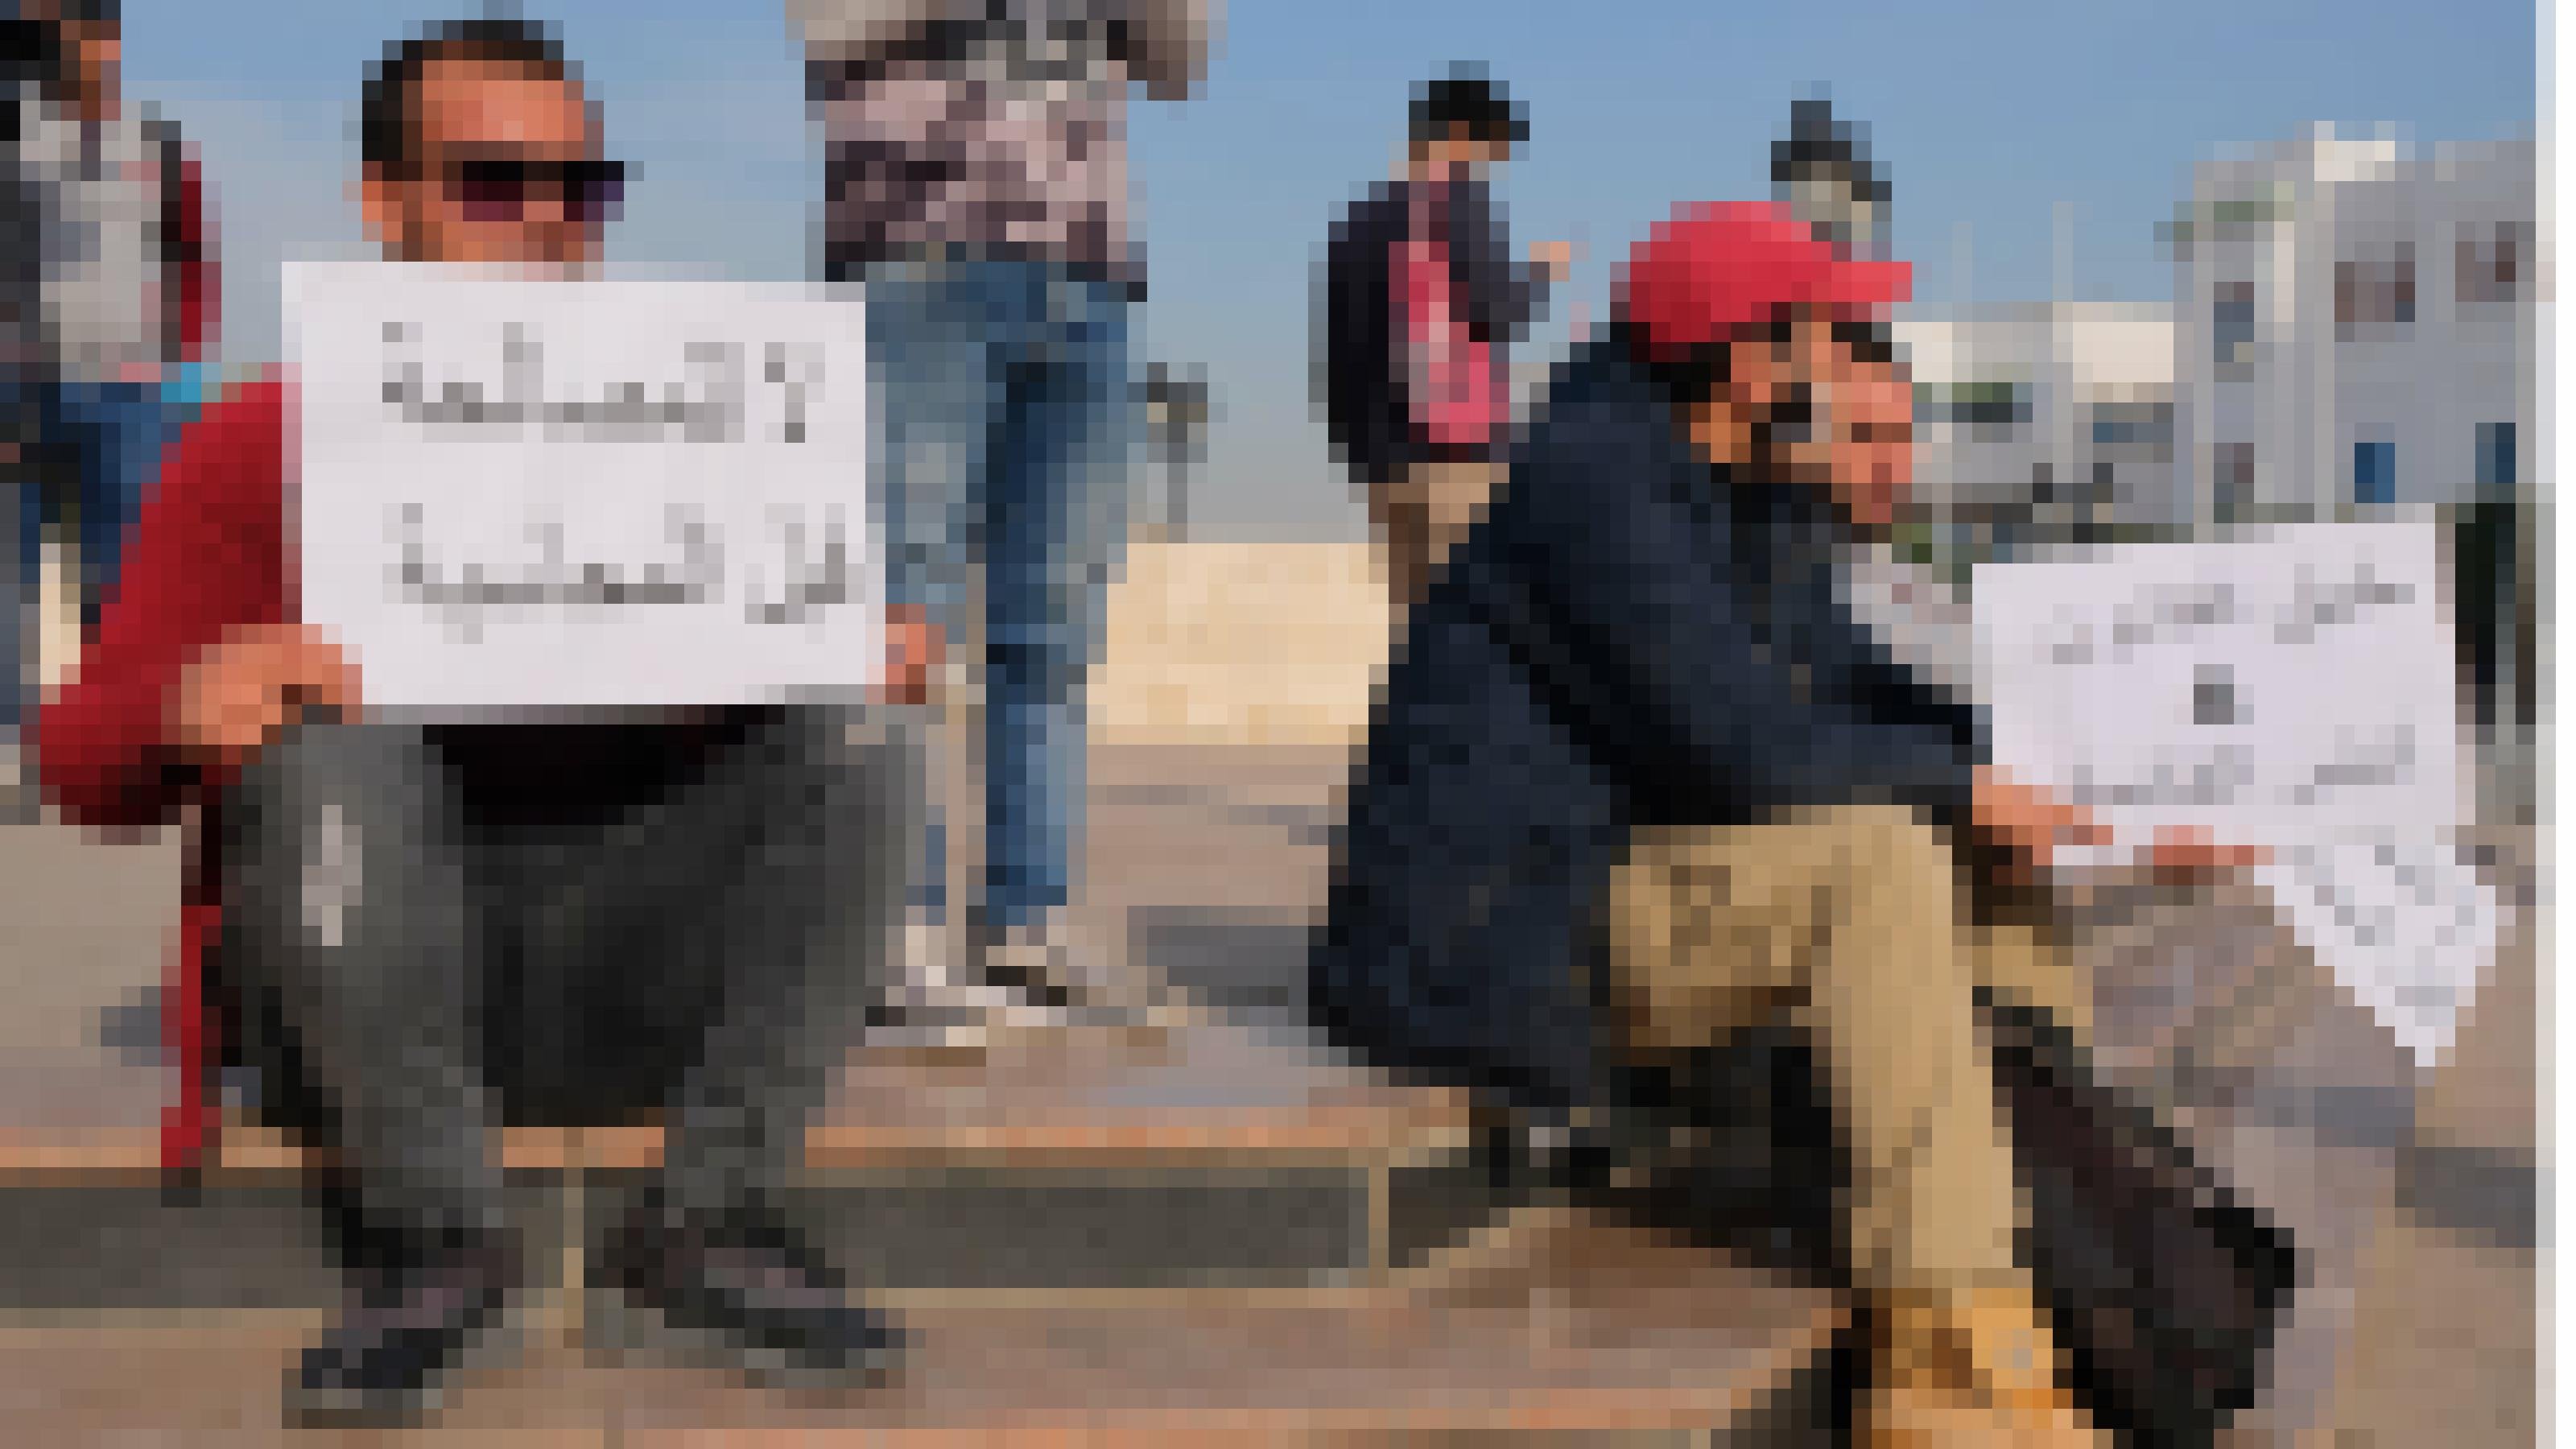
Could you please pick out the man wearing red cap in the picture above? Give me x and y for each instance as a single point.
(1638, 780)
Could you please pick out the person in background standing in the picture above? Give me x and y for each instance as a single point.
(124, 309)
(1422, 299)
(977, 184)
(25, 60)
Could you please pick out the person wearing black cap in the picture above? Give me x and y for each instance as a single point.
(1638, 781)
(1421, 298)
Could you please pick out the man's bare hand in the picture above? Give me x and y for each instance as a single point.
(2186, 853)
(912, 656)
(2028, 823)
(1555, 258)
(242, 691)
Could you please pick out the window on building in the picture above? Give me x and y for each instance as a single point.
(2489, 265)
(2495, 459)
(1993, 412)
(2371, 296)
(2231, 324)
(2142, 427)
(2374, 473)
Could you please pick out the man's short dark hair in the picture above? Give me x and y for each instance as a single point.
(389, 107)
(1466, 100)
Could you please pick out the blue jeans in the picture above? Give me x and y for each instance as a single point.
(101, 444)
(1005, 427)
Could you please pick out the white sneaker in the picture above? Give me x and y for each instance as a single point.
(937, 1006)
(1049, 963)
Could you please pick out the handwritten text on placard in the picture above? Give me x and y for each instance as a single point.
(524, 493)
(2266, 685)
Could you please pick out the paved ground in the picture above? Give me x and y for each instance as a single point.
(2414, 1193)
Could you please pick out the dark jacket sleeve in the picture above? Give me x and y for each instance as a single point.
(1364, 398)
(1633, 573)
(1934, 722)
(1504, 294)
(1895, 694)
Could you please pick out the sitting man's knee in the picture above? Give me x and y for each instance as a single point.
(356, 768)
(1887, 836)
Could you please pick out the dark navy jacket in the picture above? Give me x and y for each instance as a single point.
(1629, 638)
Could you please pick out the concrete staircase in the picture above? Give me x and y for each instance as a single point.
(1146, 1238)
(1173, 1236)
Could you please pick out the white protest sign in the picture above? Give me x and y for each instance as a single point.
(2296, 685)
(2294, 691)
(522, 494)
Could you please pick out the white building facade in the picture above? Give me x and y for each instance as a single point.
(2355, 329)
(2040, 422)
(2356, 332)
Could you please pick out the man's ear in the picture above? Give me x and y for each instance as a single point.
(380, 208)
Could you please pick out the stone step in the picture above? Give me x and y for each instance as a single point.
(1194, 1156)
(1587, 1329)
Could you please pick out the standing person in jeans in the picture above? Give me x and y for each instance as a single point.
(414, 932)
(128, 301)
(25, 49)
(977, 185)
(1422, 299)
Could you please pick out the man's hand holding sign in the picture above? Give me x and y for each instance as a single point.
(238, 695)
(2029, 824)
(2232, 704)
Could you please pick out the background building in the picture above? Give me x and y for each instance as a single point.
(2042, 422)
(2356, 332)
(2354, 328)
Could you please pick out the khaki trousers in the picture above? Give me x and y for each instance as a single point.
(1420, 514)
(1852, 921)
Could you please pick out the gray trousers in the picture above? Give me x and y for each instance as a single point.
(412, 977)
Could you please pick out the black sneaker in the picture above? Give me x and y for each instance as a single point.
(386, 1360)
(750, 1295)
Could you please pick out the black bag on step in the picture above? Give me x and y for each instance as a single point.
(2166, 1293)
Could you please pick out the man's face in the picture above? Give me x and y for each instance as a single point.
(1873, 442)
(505, 168)
(93, 49)
(1805, 409)
(1461, 157)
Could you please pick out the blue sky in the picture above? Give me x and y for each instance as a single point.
(1987, 113)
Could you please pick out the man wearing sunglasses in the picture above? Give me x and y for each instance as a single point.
(413, 932)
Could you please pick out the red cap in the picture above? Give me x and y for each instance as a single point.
(1716, 267)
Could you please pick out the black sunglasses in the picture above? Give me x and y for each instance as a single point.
(501, 188)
